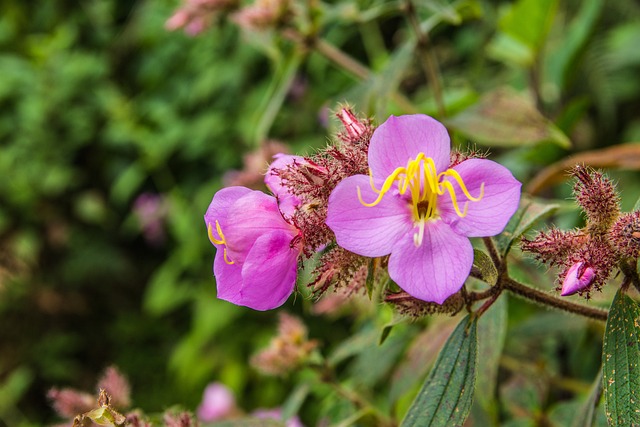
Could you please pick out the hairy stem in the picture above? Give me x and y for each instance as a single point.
(551, 301)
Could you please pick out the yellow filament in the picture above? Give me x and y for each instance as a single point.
(422, 181)
(220, 241)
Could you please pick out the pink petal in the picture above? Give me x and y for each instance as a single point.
(269, 272)
(401, 138)
(222, 201)
(490, 215)
(368, 231)
(228, 278)
(579, 277)
(287, 201)
(437, 268)
(250, 217)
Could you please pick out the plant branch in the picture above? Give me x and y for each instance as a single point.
(347, 63)
(427, 58)
(551, 301)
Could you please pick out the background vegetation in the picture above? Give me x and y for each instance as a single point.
(99, 104)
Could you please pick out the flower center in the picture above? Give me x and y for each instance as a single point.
(422, 182)
(219, 241)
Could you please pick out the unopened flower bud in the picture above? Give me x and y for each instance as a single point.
(579, 277)
(354, 127)
(597, 196)
(625, 235)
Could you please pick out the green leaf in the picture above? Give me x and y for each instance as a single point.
(386, 329)
(525, 23)
(561, 62)
(446, 396)
(276, 94)
(488, 270)
(585, 416)
(294, 402)
(621, 362)
(492, 331)
(505, 118)
(523, 220)
(637, 205)
(419, 357)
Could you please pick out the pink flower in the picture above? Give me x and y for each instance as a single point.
(419, 210)
(257, 250)
(579, 277)
(217, 403)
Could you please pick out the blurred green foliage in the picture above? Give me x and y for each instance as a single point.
(99, 105)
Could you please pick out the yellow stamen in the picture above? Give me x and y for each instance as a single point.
(424, 184)
(220, 241)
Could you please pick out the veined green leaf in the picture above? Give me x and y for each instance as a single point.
(446, 396)
(621, 363)
(505, 118)
(486, 267)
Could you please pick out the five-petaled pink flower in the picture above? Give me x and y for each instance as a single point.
(418, 209)
(257, 250)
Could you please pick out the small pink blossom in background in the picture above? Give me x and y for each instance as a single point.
(196, 16)
(286, 351)
(151, 211)
(276, 414)
(217, 403)
(68, 402)
(579, 277)
(114, 383)
(419, 208)
(262, 14)
(256, 261)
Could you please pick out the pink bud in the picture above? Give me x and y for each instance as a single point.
(217, 403)
(355, 129)
(579, 277)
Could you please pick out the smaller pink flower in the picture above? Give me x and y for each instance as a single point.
(217, 403)
(580, 276)
(256, 261)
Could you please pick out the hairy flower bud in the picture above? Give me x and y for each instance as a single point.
(597, 196)
(625, 235)
(354, 128)
(579, 277)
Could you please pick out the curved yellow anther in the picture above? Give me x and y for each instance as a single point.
(220, 241)
(212, 239)
(420, 178)
(226, 259)
(386, 186)
(456, 176)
